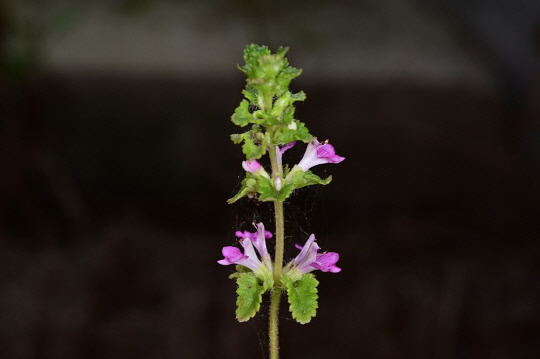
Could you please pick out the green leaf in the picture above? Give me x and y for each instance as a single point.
(284, 105)
(251, 95)
(251, 150)
(255, 142)
(249, 296)
(241, 116)
(286, 135)
(249, 185)
(252, 53)
(267, 192)
(299, 178)
(237, 138)
(286, 76)
(302, 297)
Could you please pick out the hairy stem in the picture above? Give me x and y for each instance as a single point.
(273, 322)
(280, 235)
(278, 263)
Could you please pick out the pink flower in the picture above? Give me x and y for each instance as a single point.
(233, 255)
(281, 151)
(255, 167)
(309, 260)
(317, 153)
(250, 241)
(251, 166)
(257, 238)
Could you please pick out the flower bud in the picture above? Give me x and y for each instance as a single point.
(251, 166)
(277, 183)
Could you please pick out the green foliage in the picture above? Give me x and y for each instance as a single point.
(268, 103)
(249, 296)
(299, 178)
(269, 193)
(302, 297)
(286, 134)
(249, 187)
(268, 107)
(261, 186)
(241, 116)
(255, 142)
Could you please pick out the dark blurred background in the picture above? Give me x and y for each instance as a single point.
(115, 164)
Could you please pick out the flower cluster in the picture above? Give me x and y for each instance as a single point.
(258, 181)
(250, 241)
(308, 260)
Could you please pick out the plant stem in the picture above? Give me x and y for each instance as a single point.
(280, 234)
(278, 263)
(275, 296)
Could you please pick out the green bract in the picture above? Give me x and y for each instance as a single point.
(302, 297)
(296, 178)
(250, 291)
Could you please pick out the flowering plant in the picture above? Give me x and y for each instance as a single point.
(267, 112)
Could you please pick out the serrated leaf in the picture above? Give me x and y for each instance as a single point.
(251, 150)
(299, 178)
(267, 192)
(252, 53)
(251, 95)
(255, 142)
(241, 116)
(299, 96)
(285, 134)
(249, 296)
(285, 77)
(302, 297)
(283, 108)
(249, 185)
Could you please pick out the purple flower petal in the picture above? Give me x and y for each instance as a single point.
(326, 262)
(260, 240)
(281, 151)
(287, 146)
(308, 253)
(309, 259)
(251, 166)
(326, 150)
(232, 256)
(317, 153)
(251, 242)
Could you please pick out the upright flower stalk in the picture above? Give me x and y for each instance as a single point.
(268, 113)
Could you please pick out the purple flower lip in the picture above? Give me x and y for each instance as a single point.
(234, 256)
(317, 153)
